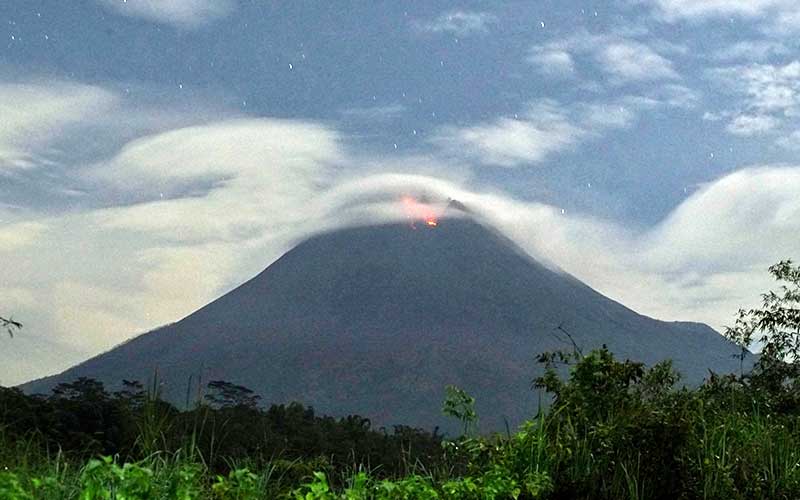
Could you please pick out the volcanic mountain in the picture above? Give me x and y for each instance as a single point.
(376, 320)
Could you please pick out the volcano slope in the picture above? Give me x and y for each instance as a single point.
(376, 320)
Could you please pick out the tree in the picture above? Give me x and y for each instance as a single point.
(460, 405)
(84, 390)
(776, 327)
(9, 325)
(228, 395)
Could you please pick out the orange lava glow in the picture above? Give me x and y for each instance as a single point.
(417, 211)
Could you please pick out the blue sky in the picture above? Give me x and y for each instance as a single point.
(154, 154)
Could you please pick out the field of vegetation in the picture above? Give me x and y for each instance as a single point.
(613, 429)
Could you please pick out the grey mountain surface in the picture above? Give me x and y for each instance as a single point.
(376, 320)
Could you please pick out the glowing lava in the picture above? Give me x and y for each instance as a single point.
(419, 212)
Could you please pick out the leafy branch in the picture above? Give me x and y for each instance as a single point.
(10, 325)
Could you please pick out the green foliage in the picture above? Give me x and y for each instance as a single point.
(11, 487)
(461, 406)
(412, 487)
(776, 328)
(240, 484)
(103, 479)
(318, 489)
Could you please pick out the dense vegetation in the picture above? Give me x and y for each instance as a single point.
(613, 430)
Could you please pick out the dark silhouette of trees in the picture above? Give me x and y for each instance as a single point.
(83, 419)
(224, 394)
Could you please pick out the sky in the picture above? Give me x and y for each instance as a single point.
(154, 154)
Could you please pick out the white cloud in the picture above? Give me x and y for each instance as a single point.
(542, 130)
(790, 141)
(634, 61)
(555, 62)
(769, 94)
(750, 218)
(261, 167)
(603, 116)
(747, 125)
(509, 142)
(677, 9)
(182, 13)
(459, 22)
(34, 113)
(751, 50)
(375, 113)
(776, 16)
(623, 58)
(18, 235)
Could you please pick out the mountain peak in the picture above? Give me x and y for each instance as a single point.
(376, 320)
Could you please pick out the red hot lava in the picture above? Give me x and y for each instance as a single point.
(419, 212)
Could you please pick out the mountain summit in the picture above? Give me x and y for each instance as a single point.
(376, 320)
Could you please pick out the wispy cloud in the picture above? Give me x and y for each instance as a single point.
(14, 237)
(635, 61)
(182, 13)
(747, 125)
(543, 129)
(552, 61)
(508, 142)
(621, 57)
(779, 16)
(34, 113)
(751, 51)
(374, 113)
(675, 9)
(459, 22)
(790, 141)
(768, 96)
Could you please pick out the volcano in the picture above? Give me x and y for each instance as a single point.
(377, 320)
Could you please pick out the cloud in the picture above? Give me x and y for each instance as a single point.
(769, 95)
(262, 167)
(747, 218)
(677, 9)
(790, 141)
(374, 113)
(623, 58)
(509, 142)
(34, 113)
(751, 50)
(747, 125)
(542, 130)
(634, 61)
(19, 235)
(181, 13)
(776, 16)
(459, 22)
(555, 62)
